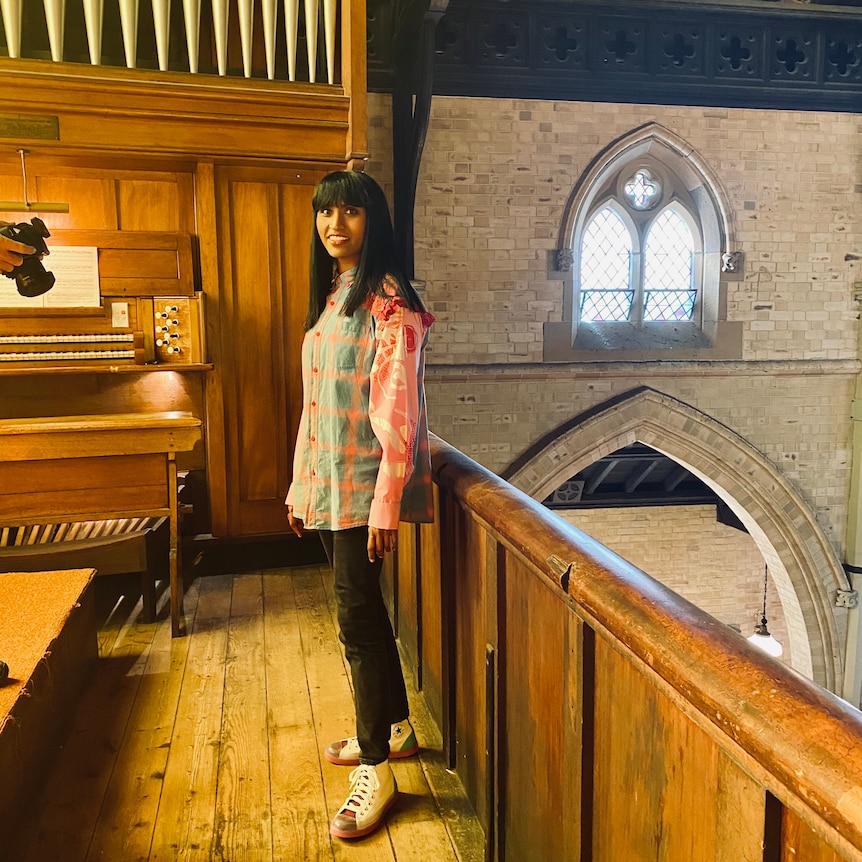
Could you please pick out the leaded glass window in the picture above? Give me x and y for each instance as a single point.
(669, 291)
(637, 260)
(606, 292)
(640, 256)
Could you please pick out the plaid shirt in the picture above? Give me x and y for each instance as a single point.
(362, 449)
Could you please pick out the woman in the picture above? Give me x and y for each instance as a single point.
(361, 463)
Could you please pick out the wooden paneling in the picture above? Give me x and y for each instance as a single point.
(142, 480)
(800, 844)
(470, 642)
(264, 219)
(431, 614)
(407, 618)
(613, 719)
(155, 112)
(541, 693)
(653, 768)
(150, 205)
(99, 394)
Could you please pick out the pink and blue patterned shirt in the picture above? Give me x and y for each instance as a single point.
(361, 453)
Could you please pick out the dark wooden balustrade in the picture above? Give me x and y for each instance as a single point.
(592, 714)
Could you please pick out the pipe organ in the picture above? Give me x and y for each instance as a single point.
(192, 192)
(203, 28)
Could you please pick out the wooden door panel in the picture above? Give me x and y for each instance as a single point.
(264, 220)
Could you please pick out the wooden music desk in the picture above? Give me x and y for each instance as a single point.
(89, 468)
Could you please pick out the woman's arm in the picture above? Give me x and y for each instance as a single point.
(394, 404)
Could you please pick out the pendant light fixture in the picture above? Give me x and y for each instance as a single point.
(761, 638)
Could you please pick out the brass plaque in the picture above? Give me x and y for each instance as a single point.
(29, 126)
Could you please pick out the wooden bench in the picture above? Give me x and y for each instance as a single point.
(48, 639)
(90, 468)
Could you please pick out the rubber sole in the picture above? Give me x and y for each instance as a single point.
(361, 833)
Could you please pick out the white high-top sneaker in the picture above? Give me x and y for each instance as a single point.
(373, 791)
(402, 743)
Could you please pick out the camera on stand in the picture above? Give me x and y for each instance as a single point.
(30, 276)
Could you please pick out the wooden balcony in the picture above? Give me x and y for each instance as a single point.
(593, 714)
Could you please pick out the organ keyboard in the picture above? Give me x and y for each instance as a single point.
(121, 346)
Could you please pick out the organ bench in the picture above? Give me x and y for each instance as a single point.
(62, 469)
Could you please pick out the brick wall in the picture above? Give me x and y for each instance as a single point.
(495, 180)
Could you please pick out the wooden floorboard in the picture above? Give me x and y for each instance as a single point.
(207, 748)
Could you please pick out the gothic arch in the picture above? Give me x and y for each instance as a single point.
(668, 147)
(804, 565)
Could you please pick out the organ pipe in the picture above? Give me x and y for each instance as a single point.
(291, 26)
(55, 17)
(162, 26)
(269, 11)
(93, 10)
(12, 25)
(129, 24)
(320, 32)
(246, 33)
(220, 28)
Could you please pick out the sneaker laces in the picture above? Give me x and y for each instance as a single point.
(363, 785)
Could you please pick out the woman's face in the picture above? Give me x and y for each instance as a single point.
(341, 229)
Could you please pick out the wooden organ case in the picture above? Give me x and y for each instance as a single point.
(196, 192)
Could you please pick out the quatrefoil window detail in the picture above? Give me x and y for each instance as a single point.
(842, 57)
(643, 190)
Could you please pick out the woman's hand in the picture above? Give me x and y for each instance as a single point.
(295, 524)
(380, 541)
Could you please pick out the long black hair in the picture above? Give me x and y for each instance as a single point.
(378, 259)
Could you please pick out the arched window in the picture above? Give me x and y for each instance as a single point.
(639, 257)
(644, 241)
(670, 283)
(606, 268)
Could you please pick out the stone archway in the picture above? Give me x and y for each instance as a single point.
(804, 565)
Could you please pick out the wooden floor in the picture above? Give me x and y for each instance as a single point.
(208, 747)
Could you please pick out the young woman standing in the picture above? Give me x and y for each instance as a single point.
(361, 463)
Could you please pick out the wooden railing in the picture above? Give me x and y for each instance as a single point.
(592, 714)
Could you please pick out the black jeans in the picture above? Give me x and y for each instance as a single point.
(379, 694)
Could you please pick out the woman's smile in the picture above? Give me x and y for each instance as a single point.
(341, 229)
